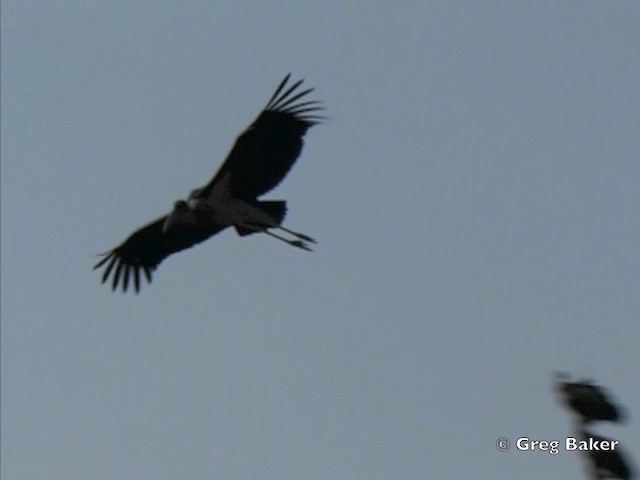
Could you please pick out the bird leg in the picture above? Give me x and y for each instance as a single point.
(302, 242)
(301, 236)
(296, 243)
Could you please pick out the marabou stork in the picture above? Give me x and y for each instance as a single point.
(260, 158)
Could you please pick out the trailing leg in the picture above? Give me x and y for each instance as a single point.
(296, 243)
(301, 236)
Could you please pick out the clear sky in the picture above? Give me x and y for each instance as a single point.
(475, 198)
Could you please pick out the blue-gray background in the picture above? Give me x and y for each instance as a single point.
(475, 196)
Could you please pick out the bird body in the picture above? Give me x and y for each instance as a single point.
(589, 401)
(606, 463)
(225, 209)
(260, 158)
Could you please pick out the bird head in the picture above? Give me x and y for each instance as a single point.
(181, 206)
(180, 215)
(195, 193)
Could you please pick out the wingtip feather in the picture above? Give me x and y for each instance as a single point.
(107, 270)
(136, 278)
(279, 89)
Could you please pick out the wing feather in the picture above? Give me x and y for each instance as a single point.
(279, 89)
(285, 100)
(125, 280)
(136, 278)
(116, 276)
(265, 152)
(147, 273)
(274, 105)
(107, 271)
(146, 248)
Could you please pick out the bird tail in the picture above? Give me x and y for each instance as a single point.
(274, 208)
(277, 209)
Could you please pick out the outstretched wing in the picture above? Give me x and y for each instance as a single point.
(589, 400)
(264, 153)
(146, 248)
(592, 402)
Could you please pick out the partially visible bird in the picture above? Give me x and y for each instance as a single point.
(589, 401)
(606, 464)
(260, 158)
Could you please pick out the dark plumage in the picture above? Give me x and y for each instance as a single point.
(606, 464)
(589, 401)
(260, 158)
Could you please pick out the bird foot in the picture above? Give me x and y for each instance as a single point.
(304, 237)
(300, 244)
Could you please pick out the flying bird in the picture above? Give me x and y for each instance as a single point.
(258, 161)
(588, 400)
(606, 462)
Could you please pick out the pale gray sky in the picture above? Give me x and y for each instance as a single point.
(475, 197)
